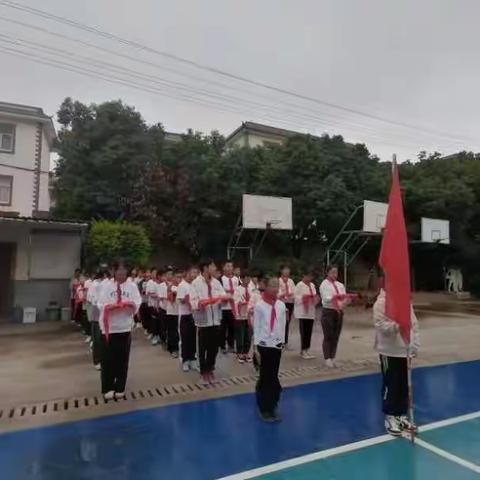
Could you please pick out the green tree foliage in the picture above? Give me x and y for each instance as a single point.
(109, 241)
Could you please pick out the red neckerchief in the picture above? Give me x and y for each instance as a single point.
(273, 315)
(247, 295)
(287, 290)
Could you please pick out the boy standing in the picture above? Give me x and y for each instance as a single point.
(286, 294)
(208, 294)
(172, 314)
(242, 324)
(269, 319)
(229, 282)
(393, 360)
(188, 331)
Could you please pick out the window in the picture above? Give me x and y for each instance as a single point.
(7, 137)
(6, 190)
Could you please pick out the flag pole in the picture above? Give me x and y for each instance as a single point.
(410, 395)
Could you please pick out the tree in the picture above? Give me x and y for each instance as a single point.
(103, 152)
(110, 241)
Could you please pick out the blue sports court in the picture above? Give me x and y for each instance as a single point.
(330, 430)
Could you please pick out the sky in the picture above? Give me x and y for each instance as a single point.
(400, 77)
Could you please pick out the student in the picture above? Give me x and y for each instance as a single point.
(333, 296)
(151, 293)
(142, 285)
(155, 319)
(119, 301)
(172, 314)
(74, 283)
(253, 284)
(92, 299)
(393, 360)
(162, 291)
(286, 293)
(188, 331)
(237, 272)
(80, 308)
(242, 324)
(269, 320)
(306, 299)
(229, 282)
(208, 294)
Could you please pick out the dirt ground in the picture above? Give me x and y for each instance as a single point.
(50, 361)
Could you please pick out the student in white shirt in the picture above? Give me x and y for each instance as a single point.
(188, 331)
(143, 312)
(172, 314)
(306, 300)
(151, 294)
(393, 352)
(242, 324)
(229, 282)
(74, 283)
(253, 284)
(92, 299)
(269, 320)
(207, 314)
(286, 293)
(162, 291)
(118, 303)
(332, 293)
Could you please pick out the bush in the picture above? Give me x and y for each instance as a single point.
(109, 241)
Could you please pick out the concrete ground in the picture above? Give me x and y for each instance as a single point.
(50, 361)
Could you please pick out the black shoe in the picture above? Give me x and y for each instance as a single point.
(276, 417)
(224, 351)
(267, 417)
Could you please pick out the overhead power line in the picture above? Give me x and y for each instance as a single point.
(213, 70)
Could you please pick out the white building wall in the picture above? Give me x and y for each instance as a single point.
(44, 199)
(22, 191)
(25, 135)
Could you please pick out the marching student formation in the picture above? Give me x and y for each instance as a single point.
(197, 312)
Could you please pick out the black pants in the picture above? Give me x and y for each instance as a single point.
(306, 328)
(97, 342)
(172, 333)
(395, 385)
(288, 320)
(162, 325)
(332, 322)
(242, 336)
(228, 329)
(208, 340)
(83, 320)
(268, 386)
(144, 315)
(188, 336)
(115, 354)
(154, 322)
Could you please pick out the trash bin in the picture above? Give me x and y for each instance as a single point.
(65, 314)
(29, 315)
(53, 313)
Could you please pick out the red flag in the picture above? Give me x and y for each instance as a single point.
(394, 260)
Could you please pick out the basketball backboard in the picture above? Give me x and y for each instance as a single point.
(374, 216)
(435, 231)
(261, 212)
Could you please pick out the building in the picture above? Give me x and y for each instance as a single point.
(37, 253)
(250, 134)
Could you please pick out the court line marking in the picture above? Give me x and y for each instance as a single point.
(450, 421)
(369, 442)
(447, 455)
(292, 462)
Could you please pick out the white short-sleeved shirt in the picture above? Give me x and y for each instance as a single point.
(162, 290)
(151, 292)
(241, 297)
(172, 305)
(229, 285)
(121, 321)
(328, 291)
(184, 289)
(212, 314)
(263, 334)
(300, 310)
(286, 291)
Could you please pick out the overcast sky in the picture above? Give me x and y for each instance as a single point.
(411, 63)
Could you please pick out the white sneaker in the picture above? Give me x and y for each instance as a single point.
(186, 367)
(329, 363)
(392, 425)
(138, 325)
(307, 355)
(193, 364)
(88, 339)
(405, 424)
(155, 340)
(150, 336)
(109, 395)
(119, 395)
(97, 366)
(174, 354)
